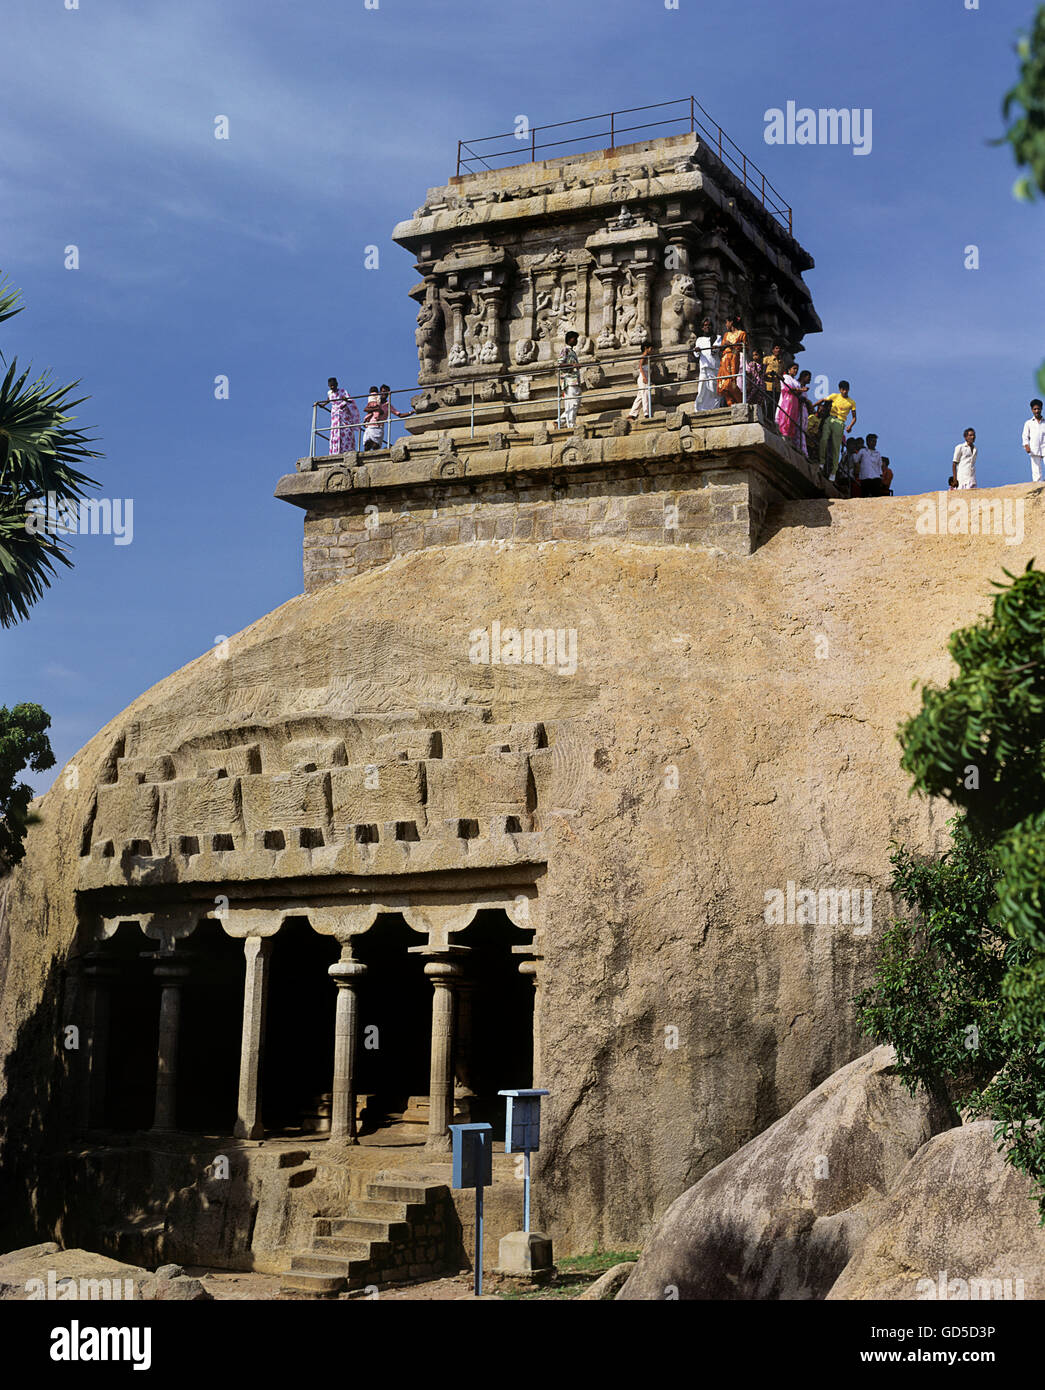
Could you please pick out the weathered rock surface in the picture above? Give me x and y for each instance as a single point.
(41, 1271)
(607, 1284)
(782, 1216)
(959, 1219)
(181, 1289)
(46, 1271)
(729, 729)
(30, 1252)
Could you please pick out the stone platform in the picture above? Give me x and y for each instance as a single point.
(676, 479)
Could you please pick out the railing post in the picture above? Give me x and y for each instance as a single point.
(312, 441)
(744, 158)
(471, 422)
(533, 144)
(458, 159)
(611, 129)
(743, 373)
(558, 398)
(720, 142)
(692, 118)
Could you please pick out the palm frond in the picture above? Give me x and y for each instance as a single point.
(42, 451)
(39, 444)
(9, 300)
(27, 561)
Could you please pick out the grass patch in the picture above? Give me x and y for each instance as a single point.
(598, 1262)
(576, 1273)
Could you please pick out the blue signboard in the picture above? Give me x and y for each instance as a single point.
(522, 1129)
(472, 1155)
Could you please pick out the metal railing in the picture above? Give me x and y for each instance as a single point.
(689, 116)
(378, 433)
(648, 391)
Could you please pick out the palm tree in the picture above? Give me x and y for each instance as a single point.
(39, 451)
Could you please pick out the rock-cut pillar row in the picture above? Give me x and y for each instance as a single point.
(257, 951)
(172, 975)
(346, 974)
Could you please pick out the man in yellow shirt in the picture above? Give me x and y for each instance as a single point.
(771, 368)
(834, 427)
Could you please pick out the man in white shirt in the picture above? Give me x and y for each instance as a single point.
(869, 469)
(643, 396)
(569, 380)
(1034, 440)
(963, 465)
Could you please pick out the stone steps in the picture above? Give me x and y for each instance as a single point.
(347, 1247)
(359, 1227)
(312, 1285)
(392, 1190)
(313, 1263)
(373, 1207)
(396, 1233)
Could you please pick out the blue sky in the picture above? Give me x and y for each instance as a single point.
(245, 257)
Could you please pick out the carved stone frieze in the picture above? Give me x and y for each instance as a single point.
(627, 248)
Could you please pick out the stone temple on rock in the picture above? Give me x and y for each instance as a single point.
(498, 800)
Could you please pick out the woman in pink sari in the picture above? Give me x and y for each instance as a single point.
(344, 413)
(790, 415)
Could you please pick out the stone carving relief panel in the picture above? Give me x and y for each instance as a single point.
(550, 297)
(646, 275)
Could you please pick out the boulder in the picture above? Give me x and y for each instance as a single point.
(29, 1252)
(607, 1284)
(46, 1272)
(959, 1223)
(782, 1216)
(181, 1289)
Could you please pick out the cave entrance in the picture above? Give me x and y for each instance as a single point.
(494, 1034)
(209, 1033)
(129, 1094)
(298, 1068)
(395, 1030)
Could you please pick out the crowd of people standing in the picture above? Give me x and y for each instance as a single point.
(729, 372)
(820, 430)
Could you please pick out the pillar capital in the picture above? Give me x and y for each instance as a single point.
(444, 972)
(172, 973)
(99, 966)
(346, 972)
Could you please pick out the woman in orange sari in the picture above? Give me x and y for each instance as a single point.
(729, 367)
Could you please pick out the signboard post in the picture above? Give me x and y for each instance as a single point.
(522, 1134)
(473, 1167)
(524, 1253)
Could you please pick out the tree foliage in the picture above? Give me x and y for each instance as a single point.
(23, 743)
(974, 956)
(40, 453)
(1026, 132)
(937, 991)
